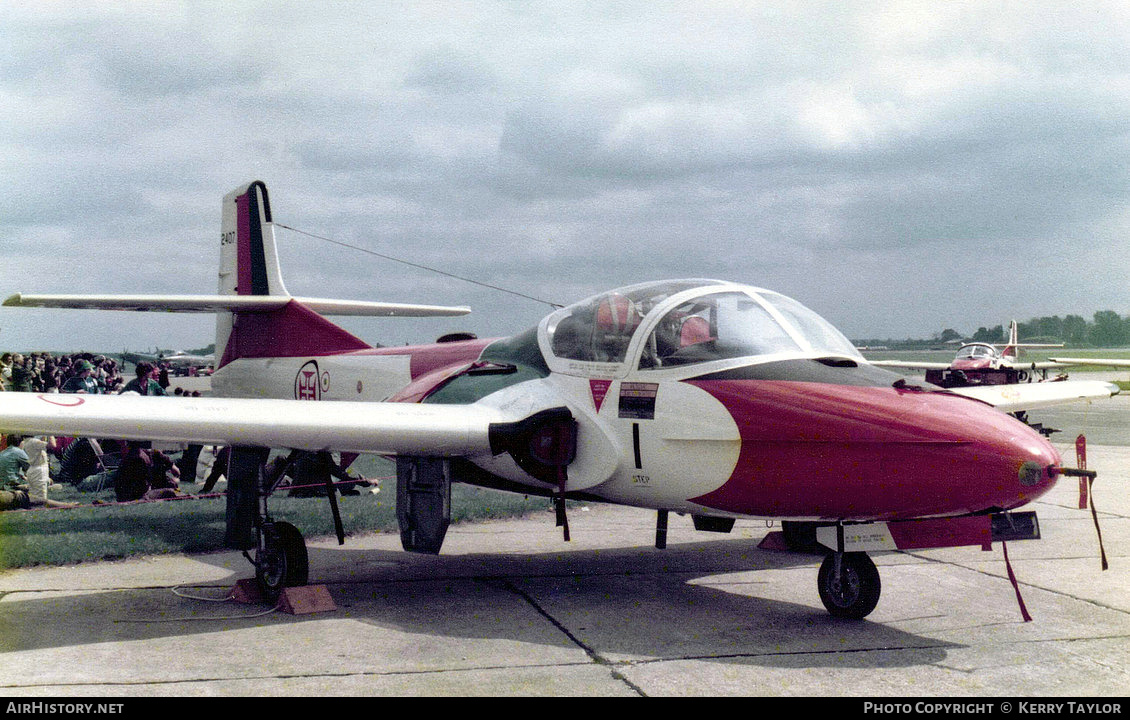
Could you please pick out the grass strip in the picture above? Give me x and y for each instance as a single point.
(193, 525)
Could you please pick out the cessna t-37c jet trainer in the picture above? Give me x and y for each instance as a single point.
(981, 363)
(707, 398)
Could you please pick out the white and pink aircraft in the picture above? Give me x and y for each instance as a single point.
(709, 398)
(980, 363)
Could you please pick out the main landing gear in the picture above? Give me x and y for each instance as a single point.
(280, 558)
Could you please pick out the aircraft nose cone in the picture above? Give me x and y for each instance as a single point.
(1032, 474)
(870, 453)
(1012, 463)
(1039, 462)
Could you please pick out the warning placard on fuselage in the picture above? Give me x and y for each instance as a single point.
(637, 400)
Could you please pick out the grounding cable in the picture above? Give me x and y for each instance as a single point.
(181, 594)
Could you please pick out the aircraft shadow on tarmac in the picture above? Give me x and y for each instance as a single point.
(629, 602)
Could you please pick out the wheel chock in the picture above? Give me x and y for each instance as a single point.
(306, 599)
(299, 600)
(774, 541)
(247, 591)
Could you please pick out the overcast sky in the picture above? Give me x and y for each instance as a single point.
(899, 167)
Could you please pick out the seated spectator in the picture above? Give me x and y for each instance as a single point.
(106, 469)
(145, 474)
(132, 481)
(13, 464)
(14, 490)
(165, 472)
(79, 461)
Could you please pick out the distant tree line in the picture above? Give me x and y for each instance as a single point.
(1106, 329)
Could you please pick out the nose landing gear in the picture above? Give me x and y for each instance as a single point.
(849, 584)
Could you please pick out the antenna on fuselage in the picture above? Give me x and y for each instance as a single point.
(555, 306)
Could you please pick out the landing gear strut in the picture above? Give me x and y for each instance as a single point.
(849, 584)
(280, 557)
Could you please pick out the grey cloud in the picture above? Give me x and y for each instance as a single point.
(873, 155)
(449, 71)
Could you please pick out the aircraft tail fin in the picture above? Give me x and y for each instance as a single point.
(1011, 351)
(249, 266)
(255, 315)
(249, 263)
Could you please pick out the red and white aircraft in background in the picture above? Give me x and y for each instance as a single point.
(702, 397)
(980, 363)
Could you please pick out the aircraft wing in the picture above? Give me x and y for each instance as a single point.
(1100, 362)
(911, 364)
(233, 303)
(136, 357)
(362, 427)
(1019, 397)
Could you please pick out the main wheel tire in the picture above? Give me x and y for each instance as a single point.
(856, 592)
(282, 560)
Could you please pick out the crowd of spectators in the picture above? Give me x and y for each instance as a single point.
(133, 470)
(45, 372)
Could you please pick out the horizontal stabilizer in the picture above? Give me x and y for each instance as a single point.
(1032, 396)
(910, 364)
(230, 303)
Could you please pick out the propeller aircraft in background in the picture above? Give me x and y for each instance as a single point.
(178, 361)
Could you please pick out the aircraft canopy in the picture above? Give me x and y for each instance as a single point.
(682, 322)
(977, 351)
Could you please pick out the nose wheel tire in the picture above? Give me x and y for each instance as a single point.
(281, 559)
(849, 584)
